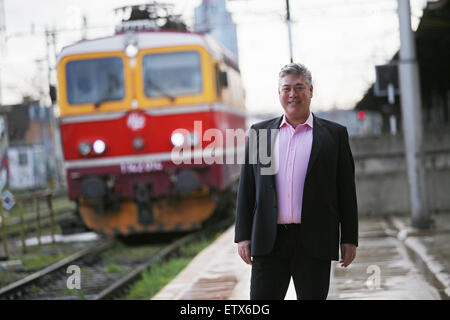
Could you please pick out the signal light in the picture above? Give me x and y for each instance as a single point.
(84, 148)
(361, 115)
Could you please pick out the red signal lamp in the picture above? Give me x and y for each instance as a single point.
(361, 115)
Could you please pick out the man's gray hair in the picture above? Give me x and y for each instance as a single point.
(295, 69)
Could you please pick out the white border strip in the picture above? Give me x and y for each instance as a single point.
(155, 157)
(93, 117)
(155, 112)
(176, 110)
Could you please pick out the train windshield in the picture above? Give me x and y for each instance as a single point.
(172, 74)
(95, 80)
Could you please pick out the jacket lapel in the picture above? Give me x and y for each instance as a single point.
(318, 135)
(273, 125)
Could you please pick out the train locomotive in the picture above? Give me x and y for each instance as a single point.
(125, 103)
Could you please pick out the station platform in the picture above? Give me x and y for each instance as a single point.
(393, 262)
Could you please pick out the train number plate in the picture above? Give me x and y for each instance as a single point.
(140, 167)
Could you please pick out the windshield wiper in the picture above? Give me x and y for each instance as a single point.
(100, 101)
(165, 94)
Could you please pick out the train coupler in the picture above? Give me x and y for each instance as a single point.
(145, 207)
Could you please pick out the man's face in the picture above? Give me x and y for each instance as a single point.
(295, 96)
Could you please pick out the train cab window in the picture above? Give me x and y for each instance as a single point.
(172, 74)
(95, 80)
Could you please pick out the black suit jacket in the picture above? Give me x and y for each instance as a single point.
(329, 209)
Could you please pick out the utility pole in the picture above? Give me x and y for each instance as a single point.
(2, 40)
(2, 28)
(50, 40)
(288, 22)
(84, 27)
(412, 119)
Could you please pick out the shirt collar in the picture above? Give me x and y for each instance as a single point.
(308, 121)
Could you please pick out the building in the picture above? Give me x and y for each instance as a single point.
(212, 17)
(31, 150)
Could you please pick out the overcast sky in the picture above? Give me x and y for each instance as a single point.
(339, 40)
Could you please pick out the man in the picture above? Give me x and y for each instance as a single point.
(287, 222)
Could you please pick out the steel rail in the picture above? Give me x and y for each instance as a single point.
(117, 288)
(15, 289)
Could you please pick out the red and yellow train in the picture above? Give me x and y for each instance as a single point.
(121, 100)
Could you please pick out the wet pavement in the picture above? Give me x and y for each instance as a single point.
(431, 249)
(384, 268)
(393, 262)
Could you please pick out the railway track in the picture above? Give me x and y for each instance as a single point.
(106, 270)
(21, 288)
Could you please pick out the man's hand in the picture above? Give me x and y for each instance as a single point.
(244, 251)
(348, 254)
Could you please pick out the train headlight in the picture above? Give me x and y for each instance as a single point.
(177, 139)
(99, 146)
(84, 148)
(131, 51)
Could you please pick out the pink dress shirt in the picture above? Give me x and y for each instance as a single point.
(292, 151)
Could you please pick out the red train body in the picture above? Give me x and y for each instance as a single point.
(121, 101)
